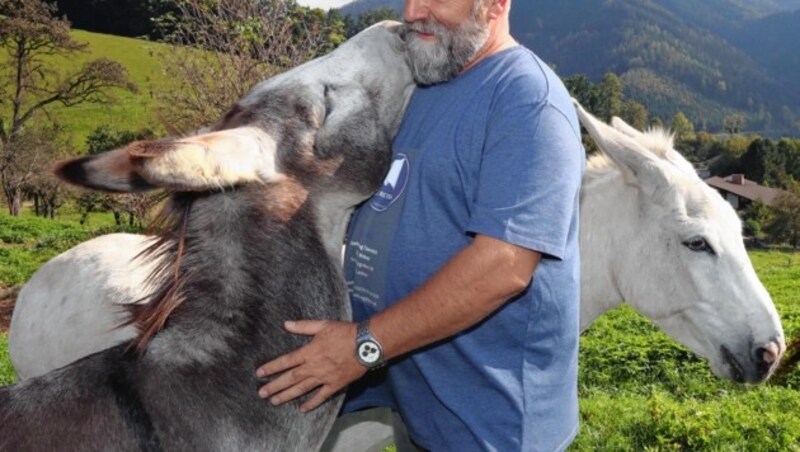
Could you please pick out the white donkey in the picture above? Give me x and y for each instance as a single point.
(652, 234)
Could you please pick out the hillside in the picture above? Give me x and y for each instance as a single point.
(707, 59)
(133, 110)
(773, 42)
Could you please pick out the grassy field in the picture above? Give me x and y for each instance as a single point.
(28, 242)
(639, 389)
(130, 111)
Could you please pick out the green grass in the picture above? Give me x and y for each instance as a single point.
(7, 374)
(28, 242)
(130, 111)
(763, 419)
(640, 390)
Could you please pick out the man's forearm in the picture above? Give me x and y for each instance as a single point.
(472, 285)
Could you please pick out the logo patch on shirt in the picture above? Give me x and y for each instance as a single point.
(394, 184)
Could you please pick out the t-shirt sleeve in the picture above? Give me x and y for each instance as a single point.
(529, 179)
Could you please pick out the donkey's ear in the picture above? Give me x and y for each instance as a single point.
(639, 166)
(624, 127)
(209, 161)
(110, 171)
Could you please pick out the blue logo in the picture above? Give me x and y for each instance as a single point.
(394, 184)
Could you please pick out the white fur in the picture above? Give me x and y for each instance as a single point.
(59, 318)
(215, 160)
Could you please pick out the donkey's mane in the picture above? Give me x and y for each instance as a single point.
(150, 314)
(658, 140)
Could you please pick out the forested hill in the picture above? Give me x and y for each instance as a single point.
(707, 58)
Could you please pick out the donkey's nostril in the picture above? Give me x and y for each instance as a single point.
(769, 353)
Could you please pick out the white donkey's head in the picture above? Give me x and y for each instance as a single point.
(680, 258)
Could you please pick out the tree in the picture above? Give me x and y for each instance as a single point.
(790, 150)
(785, 213)
(682, 128)
(34, 149)
(582, 89)
(609, 97)
(31, 36)
(222, 48)
(763, 163)
(754, 218)
(117, 17)
(734, 123)
(656, 123)
(43, 146)
(634, 114)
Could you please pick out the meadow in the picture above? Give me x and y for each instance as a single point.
(639, 389)
(128, 111)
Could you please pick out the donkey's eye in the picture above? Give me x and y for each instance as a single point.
(699, 245)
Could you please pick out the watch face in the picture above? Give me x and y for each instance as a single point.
(369, 352)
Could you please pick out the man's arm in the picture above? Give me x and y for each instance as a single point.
(472, 285)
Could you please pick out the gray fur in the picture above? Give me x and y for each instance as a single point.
(253, 259)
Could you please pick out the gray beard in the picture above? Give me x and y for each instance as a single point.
(443, 60)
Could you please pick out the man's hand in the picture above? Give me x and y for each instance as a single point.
(327, 362)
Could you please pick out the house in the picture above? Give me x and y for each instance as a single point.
(740, 192)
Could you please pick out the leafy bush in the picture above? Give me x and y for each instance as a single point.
(32, 241)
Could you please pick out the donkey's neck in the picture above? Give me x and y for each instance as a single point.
(332, 211)
(245, 262)
(608, 217)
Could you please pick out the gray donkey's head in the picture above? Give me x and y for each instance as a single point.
(316, 138)
(321, 118)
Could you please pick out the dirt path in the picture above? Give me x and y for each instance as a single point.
(8, 297)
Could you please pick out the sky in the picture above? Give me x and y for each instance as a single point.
(324, 4)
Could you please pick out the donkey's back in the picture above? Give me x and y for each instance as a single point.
(113, 401)
(94, 396)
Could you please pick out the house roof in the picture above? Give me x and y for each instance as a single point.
(745, 188)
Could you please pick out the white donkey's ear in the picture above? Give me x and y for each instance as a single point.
(622, 126)
(639, 166)
(208, 161)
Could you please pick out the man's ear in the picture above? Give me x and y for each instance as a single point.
(499, 8)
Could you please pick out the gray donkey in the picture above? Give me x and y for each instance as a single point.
(250, 237)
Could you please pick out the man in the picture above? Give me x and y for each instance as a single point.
(463, 269)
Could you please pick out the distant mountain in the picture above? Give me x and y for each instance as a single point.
(774, 41)
(706, 58)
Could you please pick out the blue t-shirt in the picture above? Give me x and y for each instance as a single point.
(496, 152)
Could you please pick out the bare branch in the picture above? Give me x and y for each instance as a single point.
(221, 49)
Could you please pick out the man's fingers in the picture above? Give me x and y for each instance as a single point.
(281, 383)
(319, 397)
(305, 327)
(280, 364)
(295, 391)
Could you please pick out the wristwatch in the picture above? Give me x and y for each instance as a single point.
(368, 350)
